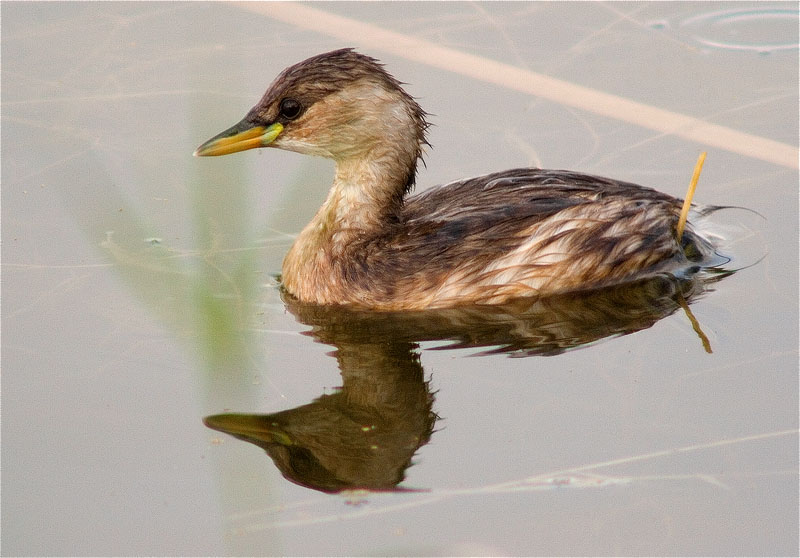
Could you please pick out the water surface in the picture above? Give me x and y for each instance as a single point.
(138, 294)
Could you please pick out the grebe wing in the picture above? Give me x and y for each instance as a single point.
(526, 194)
(527, 219)
(508, 234)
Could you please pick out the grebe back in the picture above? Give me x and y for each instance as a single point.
(487, 239)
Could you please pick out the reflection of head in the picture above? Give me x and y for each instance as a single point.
(362, 436)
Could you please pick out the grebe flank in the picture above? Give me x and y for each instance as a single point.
(483, 240)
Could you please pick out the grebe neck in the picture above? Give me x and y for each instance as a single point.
(365, 201)
(376, 149)
(367, 193)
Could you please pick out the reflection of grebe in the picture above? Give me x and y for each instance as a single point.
(482, 240)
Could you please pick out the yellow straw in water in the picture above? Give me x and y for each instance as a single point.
(687, 203)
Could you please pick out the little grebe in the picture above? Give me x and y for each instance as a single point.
(487, 239)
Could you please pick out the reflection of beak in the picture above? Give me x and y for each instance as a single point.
(256, 429)
(240, 137)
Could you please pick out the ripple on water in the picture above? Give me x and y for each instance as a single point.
(761, 30)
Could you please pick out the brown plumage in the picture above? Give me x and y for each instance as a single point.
(487, 239)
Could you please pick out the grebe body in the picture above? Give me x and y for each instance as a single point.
(487, 239)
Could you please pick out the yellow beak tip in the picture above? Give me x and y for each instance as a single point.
(249, 138)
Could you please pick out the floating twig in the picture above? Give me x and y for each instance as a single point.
(687, 203)
(695, 324)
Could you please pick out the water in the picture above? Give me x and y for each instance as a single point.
(139, 293)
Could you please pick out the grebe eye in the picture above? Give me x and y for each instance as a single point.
(290, 109)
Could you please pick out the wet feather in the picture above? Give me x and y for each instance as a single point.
(487, 239)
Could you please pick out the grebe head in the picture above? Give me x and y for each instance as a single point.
(341, 105)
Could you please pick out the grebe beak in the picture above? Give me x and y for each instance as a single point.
(240, 137)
